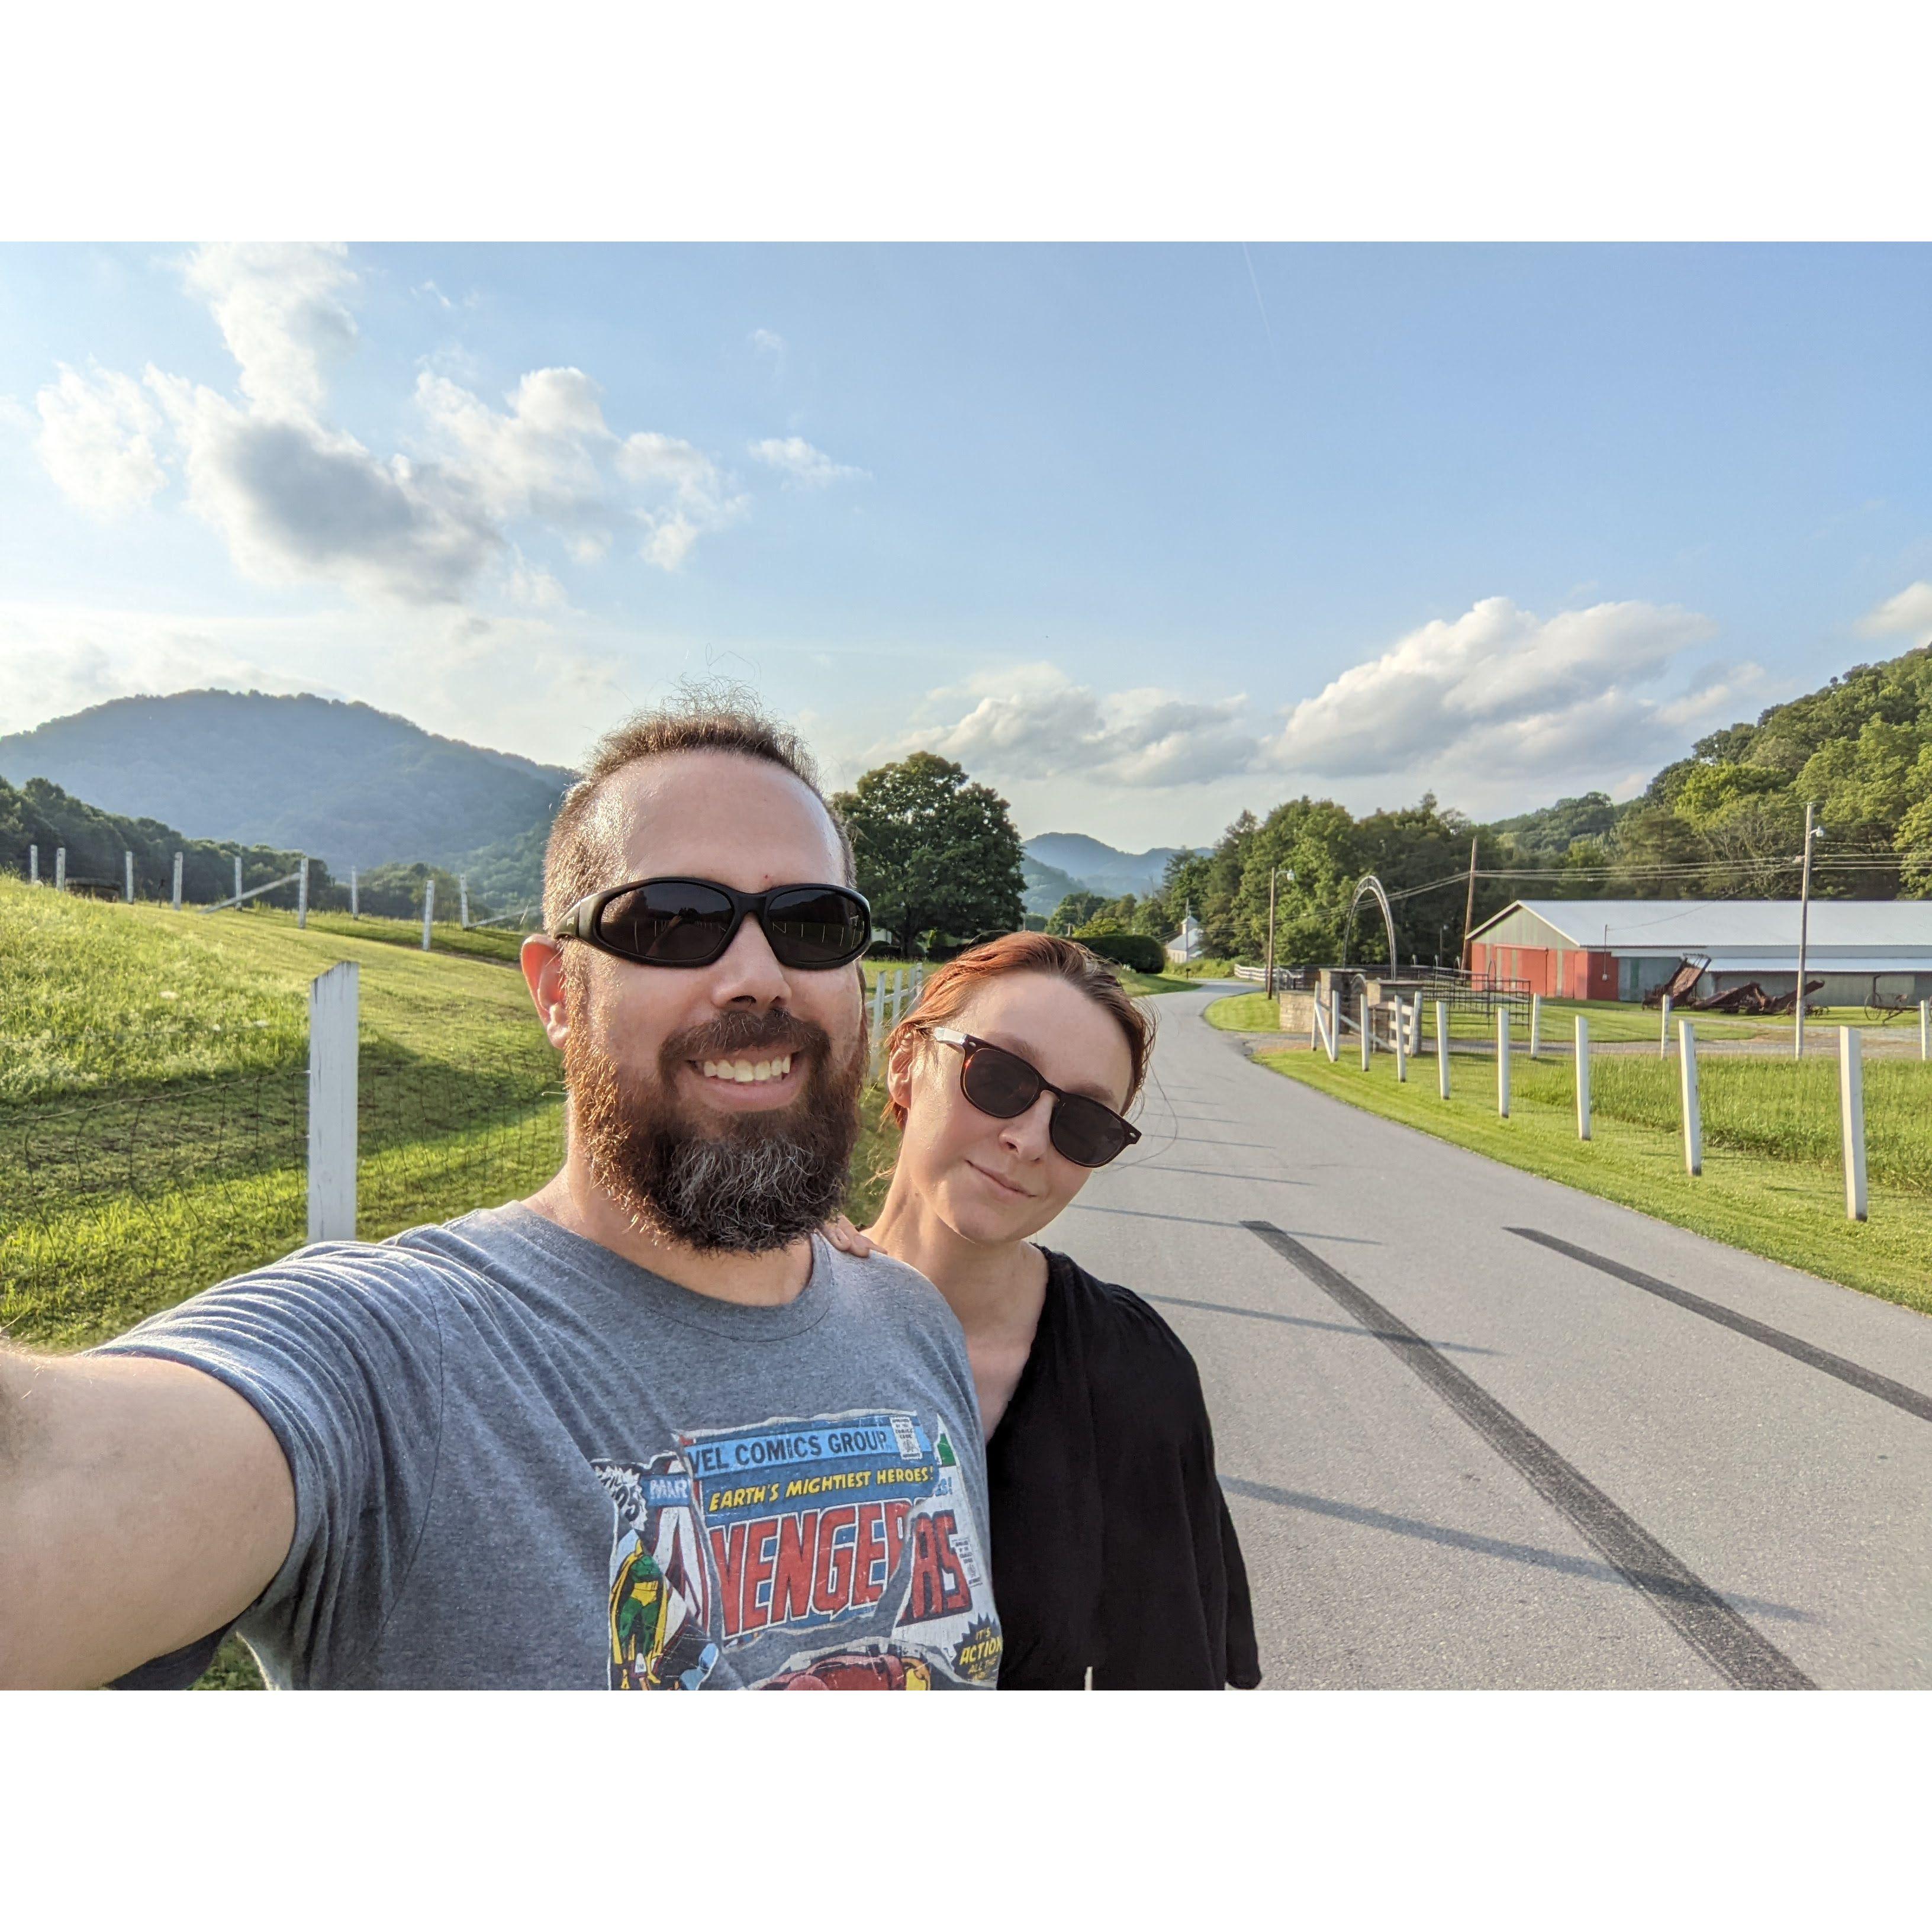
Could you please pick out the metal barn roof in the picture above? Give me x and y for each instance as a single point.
(1761, 927)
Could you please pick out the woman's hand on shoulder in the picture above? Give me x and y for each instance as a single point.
(848, 1240)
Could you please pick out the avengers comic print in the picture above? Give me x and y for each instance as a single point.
(830, 1552)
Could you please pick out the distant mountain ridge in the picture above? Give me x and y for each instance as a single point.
(348, 783)
(1099, 867)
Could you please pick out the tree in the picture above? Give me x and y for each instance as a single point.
(1074, 911)
(935, 850)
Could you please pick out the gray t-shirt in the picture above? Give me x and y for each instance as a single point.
(520, 1460)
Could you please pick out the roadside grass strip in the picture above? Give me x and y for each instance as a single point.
(1771, 1184)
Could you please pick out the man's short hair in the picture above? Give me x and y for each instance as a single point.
(577, 861)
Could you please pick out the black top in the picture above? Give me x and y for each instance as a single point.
(1112, 1546)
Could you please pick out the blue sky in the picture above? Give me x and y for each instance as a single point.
(1141, 535)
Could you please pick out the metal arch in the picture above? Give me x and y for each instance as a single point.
(1369, 885)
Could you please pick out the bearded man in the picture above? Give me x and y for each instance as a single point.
(644, 1430)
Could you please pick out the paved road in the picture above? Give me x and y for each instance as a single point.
(1459, 1457)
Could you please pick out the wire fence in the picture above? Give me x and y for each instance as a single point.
(117, 1202)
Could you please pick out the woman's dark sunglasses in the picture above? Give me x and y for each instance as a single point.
(1002, 1084)
(692, 922)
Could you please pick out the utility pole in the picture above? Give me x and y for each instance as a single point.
(1275, 872)
(1469, 904)
(1804, 933)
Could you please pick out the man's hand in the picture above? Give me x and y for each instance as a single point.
(143, 1504)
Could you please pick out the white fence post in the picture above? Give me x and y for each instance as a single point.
(128, 893)
(1583, 1077)
(1663, 1032)
(1401, 1041)
(33, 865)
(1415, 1029)
(463, 900)
(1925, 1029)
(1502, 1061)
(1366, 1028)
(429, 910)
(60, 869)
(333, 1000)
(1334, 1026)
(355, 901)
(177, 873)
(1535, 1024)
(1686, 1077)
(1442, 1047)
(878, 1019)
(1852, 1118)
(238, 879)
(301, 896)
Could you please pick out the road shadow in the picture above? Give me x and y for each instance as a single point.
(1310, 1322)
(1201, 1221)
(1587, 1567)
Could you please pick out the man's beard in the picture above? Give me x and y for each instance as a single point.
(746, 1183)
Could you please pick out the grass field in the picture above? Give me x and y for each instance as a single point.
(1771, 1183)
(153, 1088)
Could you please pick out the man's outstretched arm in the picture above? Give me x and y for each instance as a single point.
(143, 1504)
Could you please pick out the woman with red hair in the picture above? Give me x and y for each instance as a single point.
(1115, 1562)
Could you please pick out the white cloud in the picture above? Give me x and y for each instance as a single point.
(803, 466)
(1488, 710)
(1035, 722)
(14, 414)
(768, 342)
(97, 440)
(1909, 614)
(280, 309)
(297, 500)
(1499, 692)
(531, 585)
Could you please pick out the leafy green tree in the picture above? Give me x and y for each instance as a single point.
(1074, 911)
(936, 851)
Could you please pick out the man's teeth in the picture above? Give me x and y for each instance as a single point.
(747, 1070)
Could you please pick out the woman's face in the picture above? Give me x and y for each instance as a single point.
(992, 1181)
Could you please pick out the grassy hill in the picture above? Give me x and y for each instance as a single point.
(153, 1083)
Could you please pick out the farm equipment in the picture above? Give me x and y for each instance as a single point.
(1750, 998)
(1682, 985)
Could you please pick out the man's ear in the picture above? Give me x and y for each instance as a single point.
(541, 959)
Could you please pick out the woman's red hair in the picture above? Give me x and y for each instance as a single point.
(947, 991)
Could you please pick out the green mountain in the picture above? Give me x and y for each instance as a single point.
(1099, 867)
(1859, 751)
(342, 781)
(1046, 885)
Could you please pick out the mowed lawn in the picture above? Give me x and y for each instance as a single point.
(153, 1088)
(1772, 1181)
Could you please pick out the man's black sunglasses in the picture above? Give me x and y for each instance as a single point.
(1002, 1084)
(692, 922)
